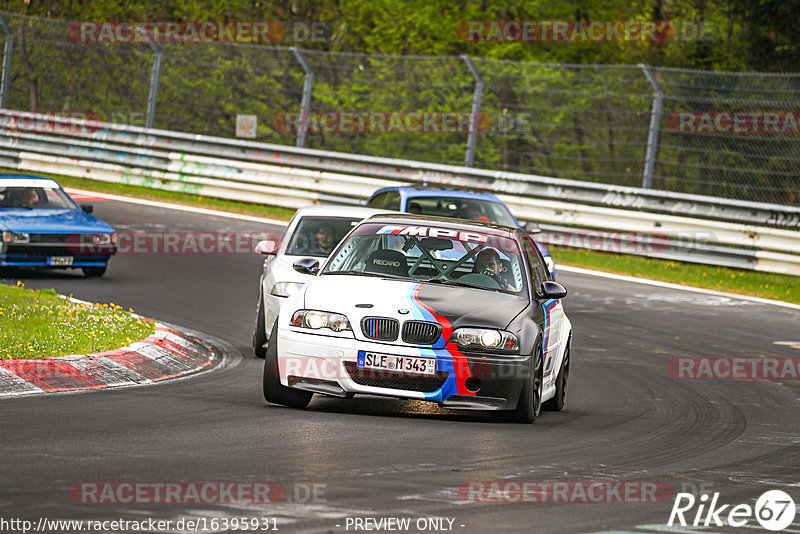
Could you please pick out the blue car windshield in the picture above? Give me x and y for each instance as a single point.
(462, 208)
(42, 196)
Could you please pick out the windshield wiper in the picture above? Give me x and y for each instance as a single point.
(459, 283)
(367, 273)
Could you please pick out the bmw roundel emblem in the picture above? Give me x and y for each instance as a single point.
(402, 311)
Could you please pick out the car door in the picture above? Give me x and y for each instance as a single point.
(553, 330)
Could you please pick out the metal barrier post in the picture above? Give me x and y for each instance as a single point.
(155, 76)
(474, 120)
(655, 122)
(305, 104)
(7, 50)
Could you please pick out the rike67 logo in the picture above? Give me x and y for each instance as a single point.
(774, 511)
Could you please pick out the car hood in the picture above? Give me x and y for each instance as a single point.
(63, 221)
(361, 296)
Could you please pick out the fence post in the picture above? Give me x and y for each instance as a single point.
(305, 103)
(155, 77)
(655, 122)
(6, 80)
(474, 119)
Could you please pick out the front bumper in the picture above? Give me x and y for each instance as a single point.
(328, 364)
(46, 253)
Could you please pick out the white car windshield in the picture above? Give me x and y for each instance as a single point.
(318, 236)
(35, 198)
(429, 253)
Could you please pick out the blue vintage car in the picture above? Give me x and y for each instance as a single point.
(43, 227)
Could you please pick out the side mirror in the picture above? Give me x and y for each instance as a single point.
(306, 266)
(551, 290)
(88, 208)
(266, 247)
(531, 227)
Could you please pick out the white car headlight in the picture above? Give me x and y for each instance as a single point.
(285, 289)
(315, 320)
(486, 338)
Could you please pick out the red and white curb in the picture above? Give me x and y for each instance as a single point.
(169, 352)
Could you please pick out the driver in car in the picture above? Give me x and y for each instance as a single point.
(488, 263)
(325, 238)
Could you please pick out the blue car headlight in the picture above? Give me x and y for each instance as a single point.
(16, 237)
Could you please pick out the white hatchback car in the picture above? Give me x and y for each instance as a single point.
(313, 232)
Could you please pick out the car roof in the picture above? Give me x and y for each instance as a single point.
(410, 219)
(26, 180)
(425, 191)
(350, 212)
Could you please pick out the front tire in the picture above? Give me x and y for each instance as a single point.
(530, 400)
(94, 272)
(556, 404)
(260, 333)
(274, 391)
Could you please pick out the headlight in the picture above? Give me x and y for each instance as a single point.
(102, 239)
(285, 289)
(315, 320)
(16, 237)
(486, 338)
(551, 265)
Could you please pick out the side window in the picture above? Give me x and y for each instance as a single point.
(535, 263)
(393, 201)
(378, 201)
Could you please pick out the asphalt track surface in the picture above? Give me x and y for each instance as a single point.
(626, 419)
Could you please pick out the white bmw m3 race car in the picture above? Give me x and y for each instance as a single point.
(459, 313)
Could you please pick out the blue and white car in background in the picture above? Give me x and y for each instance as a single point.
(475, 205)
(43, 227)
(278, 279)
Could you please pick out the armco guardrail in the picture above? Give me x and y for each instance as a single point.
(702, 229)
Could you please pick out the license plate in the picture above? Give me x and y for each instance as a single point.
(402, 364)
(59, 261)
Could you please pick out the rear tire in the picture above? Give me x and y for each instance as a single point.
(274, 391)
(556, 404)
(260, 333)
(530, 400)
(94, 272)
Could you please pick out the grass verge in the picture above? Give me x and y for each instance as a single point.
(43, 324)
(757, 284)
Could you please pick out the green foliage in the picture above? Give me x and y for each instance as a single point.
(548, 108)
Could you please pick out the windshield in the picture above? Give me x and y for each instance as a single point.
(35, 198)
(318, 236)
(462, 208)
(433, 254)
